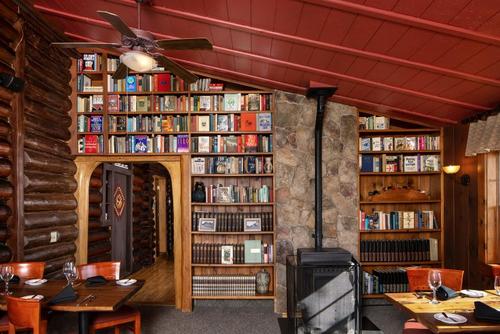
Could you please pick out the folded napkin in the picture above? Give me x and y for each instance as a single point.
(445, 293)
(65, 295)
(15, 279)
(486, 313)
(95, 280)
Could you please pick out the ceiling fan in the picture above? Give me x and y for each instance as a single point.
(141, 52)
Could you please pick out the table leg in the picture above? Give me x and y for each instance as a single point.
(83, 322)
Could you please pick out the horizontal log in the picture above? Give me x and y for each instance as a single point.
(36, 59)
(47, 128)
(5, 167)
(7, 56)
(100, 258)
(99, 236)
(95, 224)
(53, 113)
(53, 267)
(7, 13)
(4, 233)
(5, 212)
(48, 98)
(35, 220)
(137, 181)
(95, 182)
(5, 148)
(5, 253)
(97, 171)
(5, 128)
(5, 94)
(48, 202)
(95, 211)
(41, 42)
(38, 161)
(6, 189)
(49, 183)
(42, 237)
(43, 253)
(36, 141)
(5, 109)
(8, 33)
(40, 74)
(95, 196)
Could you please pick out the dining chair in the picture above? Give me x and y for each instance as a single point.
(125, 315)
(418, 281)
(496, 270)
(25, 313)
(28, 270)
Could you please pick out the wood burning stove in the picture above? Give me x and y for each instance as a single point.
(323, 284)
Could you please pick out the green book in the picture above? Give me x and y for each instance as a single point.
(253, 251)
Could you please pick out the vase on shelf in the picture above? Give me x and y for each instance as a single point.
(198, 195)
(262, 279)
(268, 165)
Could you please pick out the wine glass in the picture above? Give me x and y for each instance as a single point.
(434, 283)
(69, 271)
(497, 285)
(6, 274)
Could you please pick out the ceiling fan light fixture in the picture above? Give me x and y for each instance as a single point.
(138, 61)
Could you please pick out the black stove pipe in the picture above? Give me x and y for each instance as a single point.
(318, 173)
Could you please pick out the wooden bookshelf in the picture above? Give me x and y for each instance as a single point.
(430, 182)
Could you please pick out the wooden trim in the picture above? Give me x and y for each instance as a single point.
(186, 302)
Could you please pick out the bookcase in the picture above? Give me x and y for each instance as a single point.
(401, 201)
(227, 131)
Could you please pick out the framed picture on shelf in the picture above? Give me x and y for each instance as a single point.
(252, 225)
(223, 195)
(227, 254)
(207, 224)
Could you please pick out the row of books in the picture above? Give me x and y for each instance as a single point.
(148, 144)
(90, 144)
(251, 251)
(385, 280)
(233, 221)
(141, 123)
(403, 250)
(85, 84)
(89, 123)
(161, 82)
(206, 84)
(89, 62)
(231, 102)
(399, 163)
(91, 103)
(232, 165)
(144, 103)
(232, 144)
(112, 64)
(218, 193)
(413, 143)
(397, 220)
(224, 285)
(245, 122)
(374, 123)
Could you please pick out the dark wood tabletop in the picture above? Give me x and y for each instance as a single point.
(108, 297)
(420, 309)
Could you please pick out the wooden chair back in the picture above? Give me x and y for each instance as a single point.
(496, 270)
(24, 313)
(109, 270)
(418, 278)
(28, 270)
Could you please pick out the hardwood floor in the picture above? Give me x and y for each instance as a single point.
(159, 287)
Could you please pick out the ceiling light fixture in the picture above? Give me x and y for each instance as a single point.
(138, 61)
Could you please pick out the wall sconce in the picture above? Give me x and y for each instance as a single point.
(451, 169)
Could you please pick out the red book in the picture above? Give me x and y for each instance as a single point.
(91, 144)
(248, 121)
(250, 143)
(164, 82)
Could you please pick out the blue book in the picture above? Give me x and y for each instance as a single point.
(366, 163)
(95, 123)
(131, 85)
(141, 144)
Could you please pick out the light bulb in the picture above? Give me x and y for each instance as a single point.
(138, 61)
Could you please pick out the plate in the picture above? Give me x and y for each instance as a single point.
(35, 281)
(33, 297)
(473, 293)
(453, 319)
(126, 282)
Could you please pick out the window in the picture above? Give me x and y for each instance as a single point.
(492, 208)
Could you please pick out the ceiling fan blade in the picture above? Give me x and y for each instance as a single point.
(121, 72)
(184, 44)
(175, 68)
(117, 23)
(67, 45)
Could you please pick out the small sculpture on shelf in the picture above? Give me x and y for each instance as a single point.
(198, 195)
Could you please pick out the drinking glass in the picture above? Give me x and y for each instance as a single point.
(497, 285)
(6, 274)
(69, 271)
(434, 283)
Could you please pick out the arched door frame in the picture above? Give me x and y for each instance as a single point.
(176, 167)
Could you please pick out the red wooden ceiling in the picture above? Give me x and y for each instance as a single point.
(433, 60)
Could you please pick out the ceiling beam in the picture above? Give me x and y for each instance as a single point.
(318, 44)
(413, 21)
(296, 66)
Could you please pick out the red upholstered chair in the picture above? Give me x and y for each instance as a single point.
(125, 315)
(417, 280)
(25, 313)
(28, 270)
(495, 269)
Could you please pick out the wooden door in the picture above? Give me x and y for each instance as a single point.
(118, 214)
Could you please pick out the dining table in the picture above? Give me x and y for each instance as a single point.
(106, 297)
(418, 306)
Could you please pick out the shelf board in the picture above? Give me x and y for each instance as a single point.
(90, 72)
(398, 173)
(229, 153)
(267, 296)
(423, 201)
(146, 133)
(131, 113)
(202, 92)
(90, 93)
(232, 175)
(242, 265)
(407, 263)
(414, 230)
(423, 130)
(201, 133)
(373, 296)
(89, 133)
(97, 113)
(208, 112)
(400, 152)
(232, 204)
(144, 154)
(148, 93)
(232, 233)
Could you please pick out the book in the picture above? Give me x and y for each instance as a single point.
(163, 82)
(380, 123)
(198, 165)
(91, 144)
(204, 103)
(253, 251)
(227, 254)
(97, 103)
(223, 195)
(399, 143)
(251, 142)
(433, 249)
(376, 144)
(411, 144)
(222, 123)
(264, 122)
(140, 144)
(232, 102)
(183, 143)
(364, 144)
(95, 123)
(89, 62)
(411, 163)
(113, 103)
(388, 143)
(253, 102)
(204, 144)
(131, 85)
(142, 103)
(248, 122)
(204, 123)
